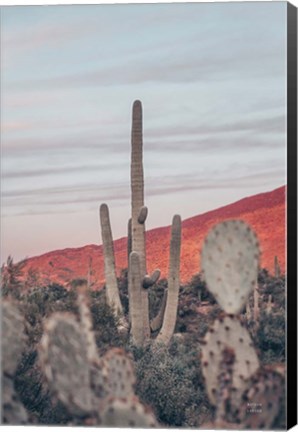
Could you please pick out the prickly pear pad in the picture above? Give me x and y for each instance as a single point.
(228, 333)
(63, 358)
(229, 260)
(119, 370)
(262, 400)
(13, 337)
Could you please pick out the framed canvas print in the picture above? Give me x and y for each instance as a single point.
(149, 215)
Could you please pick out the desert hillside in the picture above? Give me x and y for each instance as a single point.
(264, 212)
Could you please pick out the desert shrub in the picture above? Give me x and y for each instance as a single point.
(169, 381)
(270, 337)
(199, 289)
(11, 278)
(105, 325)
(123, 290)
(155, 296)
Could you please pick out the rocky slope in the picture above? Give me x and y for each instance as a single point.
(264, 212)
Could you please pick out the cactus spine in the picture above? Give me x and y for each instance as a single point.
(112, 293)
(170, 315)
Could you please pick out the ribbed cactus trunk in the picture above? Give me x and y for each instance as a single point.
(137, 205)
(112, 292)
(129, 241)
(136, 312)
(170, 315)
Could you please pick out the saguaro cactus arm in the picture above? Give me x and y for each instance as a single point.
(143, 215)
(150, 280)
(156, 322)
(170, 315)
(112, 292)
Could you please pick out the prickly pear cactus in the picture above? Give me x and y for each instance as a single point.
(13, 344)
(64, 361)
(229, 260)
(127, 412)
(118, 368)
(228, 334)
(261, 400)
(13, 337)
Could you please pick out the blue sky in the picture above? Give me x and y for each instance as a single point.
(212, 80)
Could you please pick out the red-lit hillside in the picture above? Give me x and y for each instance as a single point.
(264, 212)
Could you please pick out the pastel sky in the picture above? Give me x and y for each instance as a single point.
(212, 80)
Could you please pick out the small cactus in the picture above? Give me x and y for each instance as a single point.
(228, 334)
(127, 413)
(229, 260)
(269, 305)
(276, 267)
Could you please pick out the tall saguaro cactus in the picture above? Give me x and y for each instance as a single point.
(138, 212)
(138, 280)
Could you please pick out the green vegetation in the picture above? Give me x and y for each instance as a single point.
(169, 380)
